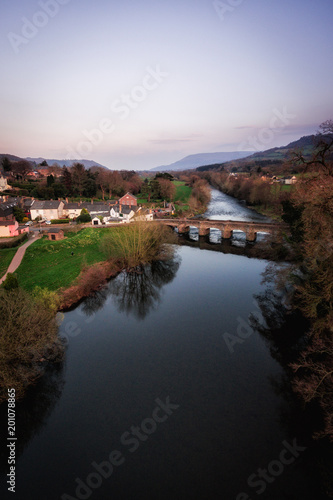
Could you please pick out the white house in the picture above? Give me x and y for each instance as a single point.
(72, 210)
(47, 209)
(3, 183)
(124, 212)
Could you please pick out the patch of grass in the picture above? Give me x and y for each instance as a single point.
(51, 265)
(268, 211)
(287, 187)
(183, 192)
(142, 201)
(6, 255)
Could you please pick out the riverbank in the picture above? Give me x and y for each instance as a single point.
(84, 260)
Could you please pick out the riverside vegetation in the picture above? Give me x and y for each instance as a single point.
(308, 209)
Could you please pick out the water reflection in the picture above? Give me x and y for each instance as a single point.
(33, 412)
(137, 292)
(283, 330)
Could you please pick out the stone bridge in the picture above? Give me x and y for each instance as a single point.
(225, 226)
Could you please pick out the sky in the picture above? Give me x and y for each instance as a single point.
(135, 85)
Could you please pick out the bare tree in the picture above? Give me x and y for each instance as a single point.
(321, 159)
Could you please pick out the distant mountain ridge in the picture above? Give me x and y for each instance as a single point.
(271, 156)
(10, 157)
(196, 160)
(68, 163)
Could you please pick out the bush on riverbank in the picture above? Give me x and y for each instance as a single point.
(28, 339)
(137, 243)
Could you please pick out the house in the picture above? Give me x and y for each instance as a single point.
(3, 183)
(55, 234)
(47, 209)
(27, 203)
(129, 200)
(144, 215)
(33, 174)
(6, 209)
(127, 212)
(96, 209)
(289, 180)
(10, 228)
(72, 210)
(114, 212)
(124, 212)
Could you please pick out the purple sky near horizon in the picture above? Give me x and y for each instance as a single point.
(140, 84)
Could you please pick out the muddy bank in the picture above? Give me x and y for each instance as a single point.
(90, 280)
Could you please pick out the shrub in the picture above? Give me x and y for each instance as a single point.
(60, 221)
(10, 283)
(84, 216)
(28, 337)
(14, 242)
(137, 243)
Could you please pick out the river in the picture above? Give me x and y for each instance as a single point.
(167, 392)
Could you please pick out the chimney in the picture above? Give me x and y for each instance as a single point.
(66, 200)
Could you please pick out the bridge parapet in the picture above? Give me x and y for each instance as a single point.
(250, 228)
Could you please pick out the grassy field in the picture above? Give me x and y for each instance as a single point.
(182, 195)
(6, 255)
(183, 192)
(51, 265)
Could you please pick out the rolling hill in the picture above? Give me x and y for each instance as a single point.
(68, 163)
(196, 160)
(274, 156)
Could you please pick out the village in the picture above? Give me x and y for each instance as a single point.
(40, 214)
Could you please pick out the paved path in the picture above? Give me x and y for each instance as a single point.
(17, 259)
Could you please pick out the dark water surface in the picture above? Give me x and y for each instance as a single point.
(165, 378)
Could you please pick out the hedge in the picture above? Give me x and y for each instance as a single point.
(14, 242)
(60, 221)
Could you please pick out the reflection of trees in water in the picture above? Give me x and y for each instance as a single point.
(284, 329)
(140, 292)
(135, 292)
(95, 301)
(284, 332)
(32, 412)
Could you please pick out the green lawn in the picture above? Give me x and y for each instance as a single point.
(49, 264)
(183, 192)
(6, 255)
(287, 187)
